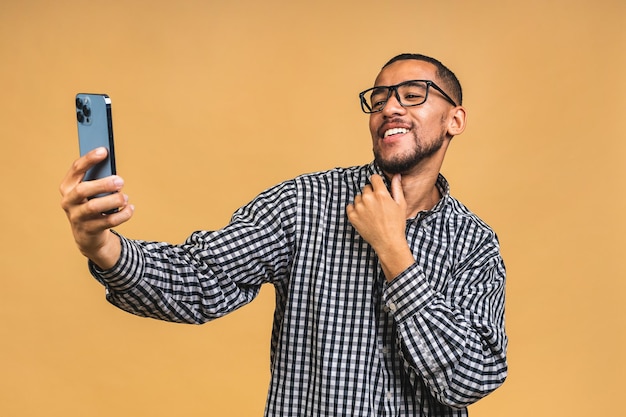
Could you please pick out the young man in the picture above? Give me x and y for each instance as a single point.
(390, 293)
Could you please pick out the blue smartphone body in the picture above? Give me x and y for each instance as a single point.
(95, 129)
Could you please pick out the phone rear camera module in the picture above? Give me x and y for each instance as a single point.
(83, 110)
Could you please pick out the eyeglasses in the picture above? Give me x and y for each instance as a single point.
(408, 93)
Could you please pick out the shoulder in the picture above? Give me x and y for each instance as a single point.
(313, 186)
(461, 213)
(346, 178)
(464, 226)
(337, 172)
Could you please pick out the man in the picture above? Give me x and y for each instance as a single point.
(390, 293)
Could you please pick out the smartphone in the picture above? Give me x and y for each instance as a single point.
(95, 129)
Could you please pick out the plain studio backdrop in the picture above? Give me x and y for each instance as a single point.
(215, 101)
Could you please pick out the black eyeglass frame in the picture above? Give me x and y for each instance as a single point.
(394, 88)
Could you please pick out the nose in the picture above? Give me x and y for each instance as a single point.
(393, 106)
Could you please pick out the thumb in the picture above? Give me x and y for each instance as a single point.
(397, 193)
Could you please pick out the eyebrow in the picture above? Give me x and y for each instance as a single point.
(380, 89)
(417, 83)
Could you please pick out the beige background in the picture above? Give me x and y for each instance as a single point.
(214, 101)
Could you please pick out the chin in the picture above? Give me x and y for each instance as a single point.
(397, 165)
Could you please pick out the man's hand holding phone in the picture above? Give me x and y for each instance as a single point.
(90, 226)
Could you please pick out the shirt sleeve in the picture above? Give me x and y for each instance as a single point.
(213, 272)
(454, 339)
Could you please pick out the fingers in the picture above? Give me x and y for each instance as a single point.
(76, 194)
(108, 185)
(396, 189)
(94, 207)
(82, 191)
(377, 183)
(88, 219)
(79, 167)
(371, 195)
(95, 222)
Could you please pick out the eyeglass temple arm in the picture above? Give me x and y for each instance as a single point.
(446, 96)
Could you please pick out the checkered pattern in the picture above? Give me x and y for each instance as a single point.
(345, 342)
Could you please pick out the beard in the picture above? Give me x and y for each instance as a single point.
(399, 164)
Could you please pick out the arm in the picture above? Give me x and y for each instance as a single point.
(453, 339)
(213, 272)
(210, 275)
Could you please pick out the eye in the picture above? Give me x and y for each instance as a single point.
(377, 105)
(413, 94)
(378, 100)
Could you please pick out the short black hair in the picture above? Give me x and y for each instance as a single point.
(450, 81)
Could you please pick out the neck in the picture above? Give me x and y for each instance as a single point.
(420, 185)
(420, 192)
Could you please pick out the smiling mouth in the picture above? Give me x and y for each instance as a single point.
(395, 131)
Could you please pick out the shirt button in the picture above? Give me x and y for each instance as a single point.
(393, 307)
(386, 350)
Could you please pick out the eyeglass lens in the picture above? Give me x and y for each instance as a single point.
(411, 93)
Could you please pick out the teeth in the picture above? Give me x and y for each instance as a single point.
(395, 131)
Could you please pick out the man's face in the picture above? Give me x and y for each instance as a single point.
(405, 137)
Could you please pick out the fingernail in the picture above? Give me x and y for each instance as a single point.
(100, 151)
(118, 182)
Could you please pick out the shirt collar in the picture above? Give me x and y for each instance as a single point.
(442, 185)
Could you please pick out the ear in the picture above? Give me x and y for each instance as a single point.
(457, 121)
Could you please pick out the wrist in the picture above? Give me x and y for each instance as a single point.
(394, 260)
(106, 255)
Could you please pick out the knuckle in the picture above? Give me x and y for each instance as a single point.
(65, 206)
(121, 199)
(79, 190)
(77, 165)
(92, 206)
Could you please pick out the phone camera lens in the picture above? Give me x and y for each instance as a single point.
(87, 110)
(80, 117)
(79, 103)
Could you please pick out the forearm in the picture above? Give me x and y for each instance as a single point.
(166, 282)
(459, 353)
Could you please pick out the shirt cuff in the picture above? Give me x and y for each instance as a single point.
(408, 293)
(128, 270)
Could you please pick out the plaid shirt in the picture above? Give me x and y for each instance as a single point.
(345, 342)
